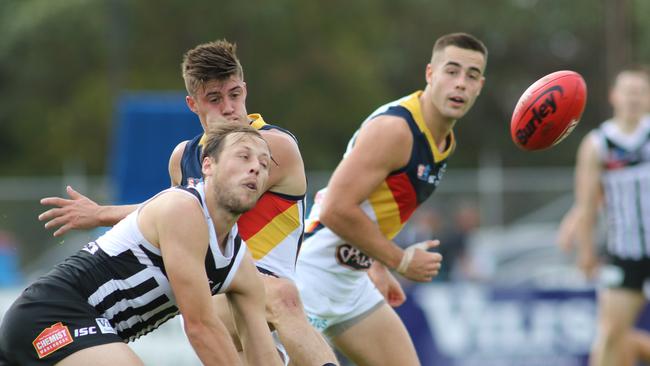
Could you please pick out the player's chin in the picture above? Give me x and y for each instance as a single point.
(455, 113)
(249, 200)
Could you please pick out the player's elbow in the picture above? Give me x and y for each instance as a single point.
(331, 214)
(193, 327)
(197, 329)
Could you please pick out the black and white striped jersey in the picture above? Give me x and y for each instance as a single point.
(626, 183)
(122, 275)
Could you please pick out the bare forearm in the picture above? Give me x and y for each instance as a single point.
(585, 223)
(253, 331)
(354, 226)
(258, 345)
(213, 346)
(111, 215)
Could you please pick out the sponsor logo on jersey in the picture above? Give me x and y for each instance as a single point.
(52, 339)
(352, 257)
(423, 172)
(432, 176)
(105, 326)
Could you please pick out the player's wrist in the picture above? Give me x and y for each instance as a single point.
(405, 261)
(104, 216)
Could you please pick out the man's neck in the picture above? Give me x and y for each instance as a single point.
(627, 124)
(439, 126)
(222, 219)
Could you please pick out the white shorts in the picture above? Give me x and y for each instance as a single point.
(333, 316)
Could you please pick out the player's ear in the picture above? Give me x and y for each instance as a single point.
(428, 72)
(191, 103)
(482, 84)
(206, 166)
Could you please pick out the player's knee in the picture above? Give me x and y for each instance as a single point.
(282, 300)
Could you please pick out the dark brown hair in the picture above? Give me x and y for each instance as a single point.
(461, 40)
(210, 61)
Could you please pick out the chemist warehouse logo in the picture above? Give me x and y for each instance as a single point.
(52, 339)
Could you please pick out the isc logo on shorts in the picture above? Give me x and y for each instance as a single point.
(52, 339)
(349, 256)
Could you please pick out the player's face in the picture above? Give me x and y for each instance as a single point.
(239, 176)
(455, 78)
(218, 100)
(630, 96)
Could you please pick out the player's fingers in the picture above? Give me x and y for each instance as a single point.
(55, 201)
(62, 230)
(74, 194)
(56, 222)
(396, 299)
(399, 293)
(50, 214)
(432, 243)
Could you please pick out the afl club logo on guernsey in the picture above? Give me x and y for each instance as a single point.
(352, 257)
(52, 339)
(544, 105)
(426, 174)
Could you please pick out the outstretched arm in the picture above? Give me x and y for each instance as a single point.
(80, 212)
(247, 300)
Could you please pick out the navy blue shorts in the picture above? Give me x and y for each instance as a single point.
(49, 322)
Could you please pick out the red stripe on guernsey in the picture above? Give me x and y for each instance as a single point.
(404, 194)
(267, 208)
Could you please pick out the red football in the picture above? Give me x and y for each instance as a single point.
(548, 110)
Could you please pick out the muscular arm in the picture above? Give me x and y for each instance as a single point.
(288, 176)
(175, 172)
(246, 297)
(183, 241)
(587, 192)
(381, 147)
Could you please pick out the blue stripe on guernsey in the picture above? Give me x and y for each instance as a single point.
(403, 190)
(421, 154)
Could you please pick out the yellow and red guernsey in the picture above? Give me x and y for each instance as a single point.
(273, 229)
(393, 202)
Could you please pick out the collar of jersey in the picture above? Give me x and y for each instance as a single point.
(412, 103)
(256, 121)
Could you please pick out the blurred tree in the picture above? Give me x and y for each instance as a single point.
(317, 68)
